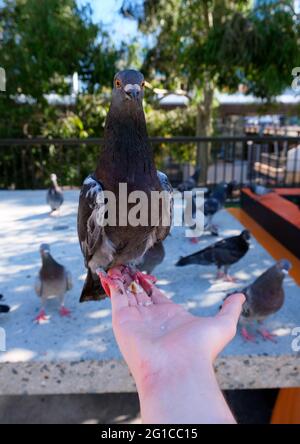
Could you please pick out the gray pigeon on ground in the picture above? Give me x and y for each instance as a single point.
(190, 183)
(55, 197)
(3, 308)
(215, 202)
(53, 281)
(222, 253)
(264, 297)
(127, 158)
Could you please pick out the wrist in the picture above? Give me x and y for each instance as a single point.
(179, 394)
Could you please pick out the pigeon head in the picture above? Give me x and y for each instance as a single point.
(53, 177)
(128, 88)
(245, 234)
(44, 249)
(284, 265)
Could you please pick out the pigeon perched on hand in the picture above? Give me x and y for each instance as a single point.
(190, 183)
(53, 281)
(264, 297)
(55, 195)
(126, 158)
(222, 253)
(215, 202)
(3, 308)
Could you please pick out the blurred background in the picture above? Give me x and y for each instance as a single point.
(225, 71)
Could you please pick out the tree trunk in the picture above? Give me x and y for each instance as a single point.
(204, 128)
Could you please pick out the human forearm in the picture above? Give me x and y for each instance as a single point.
(187, 395)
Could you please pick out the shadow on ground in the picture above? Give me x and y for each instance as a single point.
(248, 406)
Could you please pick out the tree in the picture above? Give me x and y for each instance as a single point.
(43, 43)
(209, 44)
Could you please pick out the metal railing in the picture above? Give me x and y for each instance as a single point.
(273, 160)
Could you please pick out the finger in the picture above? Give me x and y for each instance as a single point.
(231, 308)
(118, 295)
(141, 296)
(158, 297)
(131, 298)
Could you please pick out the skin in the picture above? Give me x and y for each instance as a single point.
(170, 353)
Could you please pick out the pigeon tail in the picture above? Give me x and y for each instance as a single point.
(196, 258)
(4, 308)
(92, 289)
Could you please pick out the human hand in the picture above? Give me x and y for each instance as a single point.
(157, 336)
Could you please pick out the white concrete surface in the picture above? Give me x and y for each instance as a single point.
(79, 354)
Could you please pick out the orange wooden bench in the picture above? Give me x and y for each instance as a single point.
(287, 406)
(276, 214)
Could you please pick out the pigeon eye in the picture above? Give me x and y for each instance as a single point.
(118, 83)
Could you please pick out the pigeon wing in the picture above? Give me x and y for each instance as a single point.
(90, 211)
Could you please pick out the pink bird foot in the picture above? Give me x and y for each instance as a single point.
(194, 240)
(220, 275)
(109, 280)
(267, 336)
(247, 336)
(41, 317)
(145, 280)
(63, 311)
(228, 278)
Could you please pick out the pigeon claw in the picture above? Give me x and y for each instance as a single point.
(108, 281)
(220, 274)
(146, 281)
(247, 336)
(228, 278)
(194, 240)
(267, 336)
(63, 311)
(41, 317)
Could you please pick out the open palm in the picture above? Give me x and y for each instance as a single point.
(153, 332)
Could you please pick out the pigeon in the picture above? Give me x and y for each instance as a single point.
(3, 308)
(53, 280)
(55, 195)
(265, 296)
(260, 190)
(190, 183)
(222, 253)
(126, 158)
(215, 202)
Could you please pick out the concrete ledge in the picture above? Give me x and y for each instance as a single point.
(233, 372)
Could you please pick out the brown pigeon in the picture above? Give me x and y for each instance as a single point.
(265, 296)
(126, 158)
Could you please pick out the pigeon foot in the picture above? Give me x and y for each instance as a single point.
(267, 336)
(194, 240)
(228, 278)
(41, 317)
(144, 280)
(63, 311)
(247, 336)
(220, 274)
(108, 280)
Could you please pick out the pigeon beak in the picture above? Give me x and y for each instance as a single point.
(132, 94)
(132, 91)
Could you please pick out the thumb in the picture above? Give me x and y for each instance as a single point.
(230, 311)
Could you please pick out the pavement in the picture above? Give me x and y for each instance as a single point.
(79, 354)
